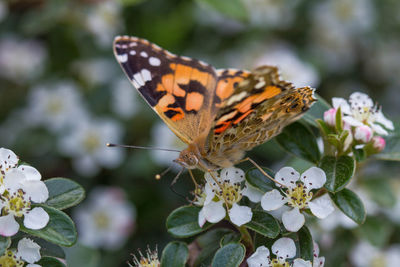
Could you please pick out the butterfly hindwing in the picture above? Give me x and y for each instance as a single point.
(179, 89)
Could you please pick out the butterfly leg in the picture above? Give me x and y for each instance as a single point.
(193, 179)
(260, 169)
(176, 177)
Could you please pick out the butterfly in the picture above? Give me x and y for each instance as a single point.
(219, 113)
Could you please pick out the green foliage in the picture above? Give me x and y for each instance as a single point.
(258, 180)
(264, 224)
(350, 204)
(229, 255)
(60, 229)
(64, 193)
(5, 242)
(230, 8)
(50, 262)
(229, 238)
(380, 190)
(175, 254)
(376, 230)
(300, 141)
(338, 170)
(306, 244)
(80, 255)
(183, 222)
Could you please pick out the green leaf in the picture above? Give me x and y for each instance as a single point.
(64, 193)
(231, 8)
(60, 229)
(325, 129)
(5, 242)
(50, 262)
(306, 244)
(359, 154)
(316, 111)
(229, 238)
(300, 141)
(376, 230)
(80, 255)
(263, 223)
(230, 255)
(338, 120)
(339, 171)
(381, 191)
(209, 244)
(175, 254)
(258, 180)
(183, 222)
(350, 204)
(49, 249)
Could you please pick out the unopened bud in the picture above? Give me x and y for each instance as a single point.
(363, 134)
(330, 117)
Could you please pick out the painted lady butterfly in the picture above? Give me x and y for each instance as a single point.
(221, 113)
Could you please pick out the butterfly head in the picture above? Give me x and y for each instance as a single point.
(188, 158)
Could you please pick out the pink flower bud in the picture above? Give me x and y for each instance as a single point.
(330, 116)
(378, 143)
(363, 134)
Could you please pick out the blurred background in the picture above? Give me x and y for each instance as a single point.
(63, 96)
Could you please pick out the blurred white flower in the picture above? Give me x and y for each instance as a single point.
(22, 185)
(55, 106)
(86, 144)
(284, 248)
(336, 219)
(96, 71)
(163, 137)
(298, 195)
(21, 60)
(106, 219)
(27, 251)
(104, 20)
(292, 68)
(361, 110)
(124, 100)
(366, 255)
(277, 14)
(226, 191)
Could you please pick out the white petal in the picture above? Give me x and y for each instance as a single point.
(28, 250)
(293, 220)
(352, 121)
(361, 99)
(234, 175)
(35, 219)
(210, 193)
(379, 129)
(8, 225)
(272, 200)
(214, 211)
(315, 249)
(210, 179)
(287, 176)
(260, 258)
(240, 215)
(36, 190)
(254, 194)
(342, 103)
(301, 263)
(313, 178)
(33, 265)
(319, 262)
(388, 124)
(14, 180)
(202, 219)
(30, 172)
(8, 158)
(321, 207)
(393, 255)
(284, 248)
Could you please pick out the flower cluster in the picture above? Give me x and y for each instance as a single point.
(27, 251)
(20, 188)
(148, 260)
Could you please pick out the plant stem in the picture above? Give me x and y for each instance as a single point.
(246, 238)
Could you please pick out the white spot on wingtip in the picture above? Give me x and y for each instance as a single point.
(154, 61)
(146, 75)
(144, 54)
(132, 52)
(186, 58)
(132, 44)
(122, 58)
(138, 78)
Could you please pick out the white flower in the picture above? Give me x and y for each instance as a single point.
(124, 100)
(21, 60)
(226, 191)
(330, 117)
(8, 161)
(106, 219)
(22, 187)
(96, 71)
(360, 110)
(366, 255)
(86, 143)
(317, 261)
(298, 195)
(148, 260)
(336, 219)
(363, 134)
(55, 106)
(284, 248)
(27, 252)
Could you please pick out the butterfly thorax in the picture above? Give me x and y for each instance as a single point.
(192, 158)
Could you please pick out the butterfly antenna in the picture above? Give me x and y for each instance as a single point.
(158, 176)
(143, 147)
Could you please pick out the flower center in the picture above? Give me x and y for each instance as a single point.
(54, 106)
(91, 142)
(101, 219)
(277, 263)
(379, 261)
(16, 203)
(230, 192)
(9, 259)
(298, 196)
